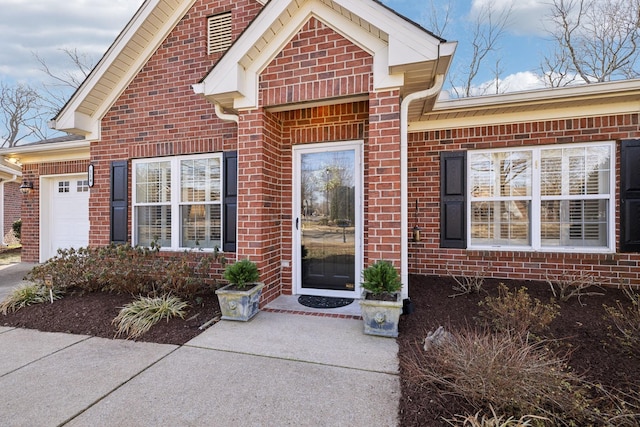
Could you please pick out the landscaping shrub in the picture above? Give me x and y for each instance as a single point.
(26, 295)
(516, 313)
(494, 420)
(137, 317)
(567, 286)
(507, 374)
(626, 319)
(17, 228)
(127, 269)
(467, 284)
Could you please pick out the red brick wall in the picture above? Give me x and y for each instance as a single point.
(12, 203)
(424, 185)
(159, 114)
(317, 63)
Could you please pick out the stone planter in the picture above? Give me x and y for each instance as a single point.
(239, 304)
(381, 317)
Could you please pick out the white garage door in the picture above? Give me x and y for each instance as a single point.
(69, 213)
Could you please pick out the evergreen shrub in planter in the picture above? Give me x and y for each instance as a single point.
(381, 303)
(240, 299)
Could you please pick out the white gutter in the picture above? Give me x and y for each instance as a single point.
(404, 179)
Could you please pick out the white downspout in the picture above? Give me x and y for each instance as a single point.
(225, 116)
(404, 179)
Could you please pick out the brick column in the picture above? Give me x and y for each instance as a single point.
(383, 187)
(260, 197)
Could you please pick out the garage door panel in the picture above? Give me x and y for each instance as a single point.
(69, 213)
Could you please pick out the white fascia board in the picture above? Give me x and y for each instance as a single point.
(546, 113)
(69, 119)
(57, 151)
(245, 82)
(548, 95)
(408, 42)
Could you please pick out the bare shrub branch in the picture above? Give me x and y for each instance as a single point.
(570, 285)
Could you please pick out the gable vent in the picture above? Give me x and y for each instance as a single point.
(219, 32)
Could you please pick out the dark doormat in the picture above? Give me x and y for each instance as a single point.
(323, 302)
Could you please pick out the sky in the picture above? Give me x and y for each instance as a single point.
(45, 27)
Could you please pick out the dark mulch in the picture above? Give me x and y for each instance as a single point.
(583, 330)
(92, 314)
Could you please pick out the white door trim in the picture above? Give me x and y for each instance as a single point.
(298, 150)
(47, 189)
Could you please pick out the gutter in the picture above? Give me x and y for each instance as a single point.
(404, 179)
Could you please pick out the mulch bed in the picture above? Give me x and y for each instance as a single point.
(92, 314)
(581, 330)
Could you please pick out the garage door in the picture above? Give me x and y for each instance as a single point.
(69, 211)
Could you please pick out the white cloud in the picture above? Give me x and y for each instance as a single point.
(527, 16)
(516, 82)
(46, 26)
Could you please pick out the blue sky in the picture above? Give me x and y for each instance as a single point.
(46, 26)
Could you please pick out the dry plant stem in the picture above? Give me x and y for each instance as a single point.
(567, 286)
(467, 284)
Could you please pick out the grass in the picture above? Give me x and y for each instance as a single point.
(137, 317)
(27, 295)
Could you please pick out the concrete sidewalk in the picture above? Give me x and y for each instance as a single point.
(11, 276)
(276, 370)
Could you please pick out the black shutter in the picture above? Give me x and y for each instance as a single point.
(229, 200)
(453, 186)
(119, 201)
(630, 196)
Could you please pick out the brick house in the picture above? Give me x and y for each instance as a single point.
(10, 200)
(307, 136)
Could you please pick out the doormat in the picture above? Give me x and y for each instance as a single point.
(323, 302)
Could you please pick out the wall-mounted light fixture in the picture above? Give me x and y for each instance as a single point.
(26, 187)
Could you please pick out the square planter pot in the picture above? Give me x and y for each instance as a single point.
(239, 304)
(381, 317)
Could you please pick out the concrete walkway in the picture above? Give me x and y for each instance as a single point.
(278, 369)
(11, 276)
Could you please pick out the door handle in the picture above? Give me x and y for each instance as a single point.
(297, 220)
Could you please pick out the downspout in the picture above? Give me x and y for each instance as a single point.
(404, 179)
(225, 116)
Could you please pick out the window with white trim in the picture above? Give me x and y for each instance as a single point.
(177, 201)
(542, 198)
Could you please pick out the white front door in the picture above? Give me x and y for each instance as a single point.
(65, 214)
(328, 219)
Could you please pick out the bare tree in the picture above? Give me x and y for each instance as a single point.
(485, 31)
(60, 83)
(20, 114)
(596, 41)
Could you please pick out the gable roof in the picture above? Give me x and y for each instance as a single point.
(131, 50)
(405, 55)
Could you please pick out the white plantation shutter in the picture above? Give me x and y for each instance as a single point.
(219, 32)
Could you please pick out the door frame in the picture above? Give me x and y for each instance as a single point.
(296, 231)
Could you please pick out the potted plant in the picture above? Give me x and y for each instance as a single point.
(240, 299)
(381, 303)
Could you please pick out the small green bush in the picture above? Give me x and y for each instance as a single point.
(137, 317)
(25, 295)
(381, 277)
(515, 312)
(241, 273)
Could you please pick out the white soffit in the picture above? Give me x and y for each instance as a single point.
(587, 100)
(397, 46)
(131, 50)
